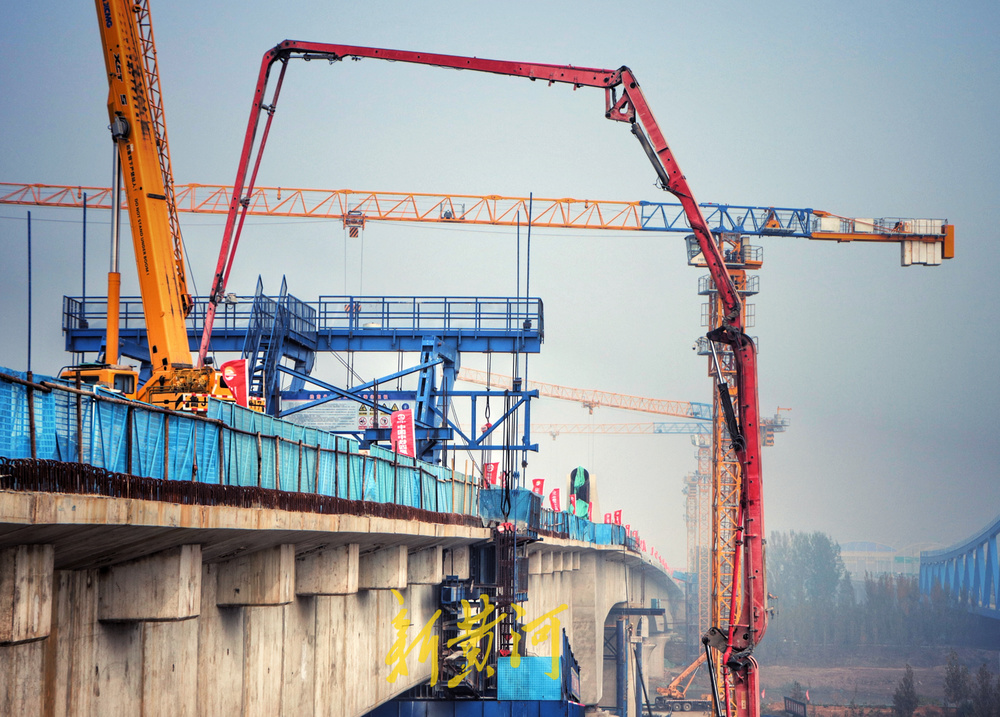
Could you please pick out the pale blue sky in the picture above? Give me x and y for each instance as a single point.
(858, 108)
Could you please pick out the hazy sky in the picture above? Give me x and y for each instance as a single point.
(858, 108)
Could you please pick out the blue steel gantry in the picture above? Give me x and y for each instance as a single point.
(282, 335)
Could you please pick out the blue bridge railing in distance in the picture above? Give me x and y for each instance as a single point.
(969, 571)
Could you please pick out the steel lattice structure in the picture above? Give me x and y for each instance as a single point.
(969, 571)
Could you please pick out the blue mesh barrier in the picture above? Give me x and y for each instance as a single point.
(240, 447)
(15, 433)
(528, 681)
(521, 511)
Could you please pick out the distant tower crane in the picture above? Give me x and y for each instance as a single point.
(590, 398)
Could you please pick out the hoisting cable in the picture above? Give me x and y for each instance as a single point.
(349, 365)
(711, 676)
(735, 434)
(527, 326)
(505, 499)
(489, 377)
(642, 681)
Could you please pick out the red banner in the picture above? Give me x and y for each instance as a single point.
(538, 486)
(618, 517)
(234, 373)
(402, 434)
(607, 517)
(554, 499)
(572, 504)
(491, 473)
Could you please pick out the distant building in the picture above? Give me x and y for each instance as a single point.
(865, 557)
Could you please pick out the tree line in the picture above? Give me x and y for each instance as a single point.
(815, 604)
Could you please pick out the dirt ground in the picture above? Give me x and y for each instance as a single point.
(866, 685)
(866, 679)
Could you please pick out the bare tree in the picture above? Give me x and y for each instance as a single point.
(985, 694)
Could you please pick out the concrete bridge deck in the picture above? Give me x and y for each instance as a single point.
(114, 605)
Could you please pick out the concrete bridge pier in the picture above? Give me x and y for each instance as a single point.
(119, 606)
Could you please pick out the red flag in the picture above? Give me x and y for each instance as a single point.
(807, 695)
(401, 435)
(554, 499)
(607, 517)
(590, 511)
(642, 545)
(618, 517)
(538, 486)
(490, 472)
(234, 373)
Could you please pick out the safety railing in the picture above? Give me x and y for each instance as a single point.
(471, 315)
(437, 313)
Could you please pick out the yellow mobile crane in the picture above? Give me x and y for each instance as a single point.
(674, 696)
(142, 158)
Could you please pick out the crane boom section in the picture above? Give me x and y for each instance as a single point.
(631, 107)
(497, 210)
(129, 111)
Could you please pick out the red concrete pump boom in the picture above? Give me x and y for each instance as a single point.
(624, 102)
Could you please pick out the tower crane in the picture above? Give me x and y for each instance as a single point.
(590, 398)
(926, 241)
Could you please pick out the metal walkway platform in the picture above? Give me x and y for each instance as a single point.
(331, 323)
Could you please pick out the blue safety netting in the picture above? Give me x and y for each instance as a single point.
(522, 511)
(16, 426)
(237, 446)
(530, 679)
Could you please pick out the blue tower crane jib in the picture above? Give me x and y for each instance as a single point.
(747, 220)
